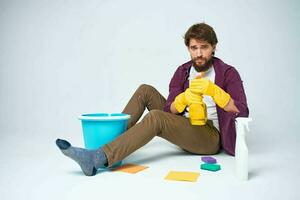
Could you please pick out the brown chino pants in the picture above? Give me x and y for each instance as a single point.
(174, 128)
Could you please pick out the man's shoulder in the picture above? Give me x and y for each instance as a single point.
(185, 66)
(182, 71)
(221, 66)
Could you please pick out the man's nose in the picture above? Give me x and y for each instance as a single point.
(198, 53)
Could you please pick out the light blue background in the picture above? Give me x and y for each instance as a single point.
(62, 58)
(59, 59)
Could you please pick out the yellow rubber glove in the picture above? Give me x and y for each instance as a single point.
(186, 98)
(197, 109)
(206, 87)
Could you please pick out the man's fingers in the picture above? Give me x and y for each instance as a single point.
(236, 110)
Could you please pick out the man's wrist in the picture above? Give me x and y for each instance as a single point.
(173, 108)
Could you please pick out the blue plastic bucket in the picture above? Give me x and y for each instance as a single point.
(102, 128)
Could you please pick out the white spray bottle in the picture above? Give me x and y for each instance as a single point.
(241, 149)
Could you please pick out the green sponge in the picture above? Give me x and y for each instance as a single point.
(210, 167)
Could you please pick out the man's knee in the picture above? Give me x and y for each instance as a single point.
(156, 116)
(145, 87)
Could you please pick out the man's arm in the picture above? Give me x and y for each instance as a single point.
(234, 86)
(175, 88)
(231, 107)
(224, 97)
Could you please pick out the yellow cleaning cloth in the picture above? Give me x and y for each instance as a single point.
(182, 176)
(130, 168)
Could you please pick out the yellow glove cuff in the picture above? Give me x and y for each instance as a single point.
(221, 98)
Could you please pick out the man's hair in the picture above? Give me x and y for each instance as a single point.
(201, 31)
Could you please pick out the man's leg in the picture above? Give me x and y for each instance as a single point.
(174, 128)
(88, 160)
(145, 96)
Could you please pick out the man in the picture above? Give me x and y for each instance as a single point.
(220, 88)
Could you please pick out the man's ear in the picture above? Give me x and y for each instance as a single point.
(214, 47)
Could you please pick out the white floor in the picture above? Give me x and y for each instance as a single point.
(33, 168)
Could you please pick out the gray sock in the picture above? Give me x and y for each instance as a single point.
(88, 160)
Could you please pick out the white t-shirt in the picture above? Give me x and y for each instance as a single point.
(208, 100)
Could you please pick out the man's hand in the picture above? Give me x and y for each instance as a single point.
(186, 98)
(230, 107)
(206, 87)
(201, 86)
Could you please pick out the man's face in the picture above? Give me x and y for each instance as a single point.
(201, 53)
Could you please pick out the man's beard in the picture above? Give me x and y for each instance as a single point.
(203, 67)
